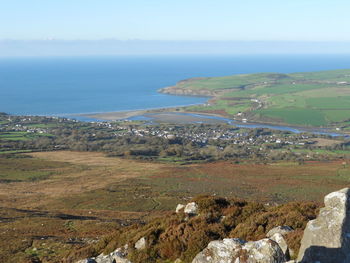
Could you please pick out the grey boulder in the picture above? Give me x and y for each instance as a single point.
(326, 239)
(238, 251)
(283, 230)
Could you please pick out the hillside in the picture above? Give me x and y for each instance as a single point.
(59, 204)
(72, 189)
(303, 99)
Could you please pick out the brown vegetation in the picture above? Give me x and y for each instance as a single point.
(77, 198)
(179, 236)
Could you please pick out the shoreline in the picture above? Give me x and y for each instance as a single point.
(180, 115)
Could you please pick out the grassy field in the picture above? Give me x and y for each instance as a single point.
(54, 202)
(305, 99)
(21, 136)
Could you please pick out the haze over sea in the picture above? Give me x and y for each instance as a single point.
(72, 85)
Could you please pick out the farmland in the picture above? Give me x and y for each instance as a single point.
(302, 99)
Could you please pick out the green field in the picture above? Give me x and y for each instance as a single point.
(305, 99)
(21, 136)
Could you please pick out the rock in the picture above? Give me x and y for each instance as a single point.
(283, 230)
(117, 256)
(279, 239)
(141, 243)
(264, 251)
(238, 251)
(87, 260)
(104, 259)
(220, 251)
(326, 239)
(120, 254)
(179, 207)
(191, 209)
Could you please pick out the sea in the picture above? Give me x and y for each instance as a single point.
(67, 86)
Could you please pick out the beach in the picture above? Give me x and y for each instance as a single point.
(165, 115)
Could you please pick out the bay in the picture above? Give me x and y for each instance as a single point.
(71, 85)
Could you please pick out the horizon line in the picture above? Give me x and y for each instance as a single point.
(174, 40)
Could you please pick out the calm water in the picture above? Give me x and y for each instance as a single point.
(61, 86)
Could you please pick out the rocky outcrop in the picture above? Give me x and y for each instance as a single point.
(279, 239)
(277, 234)
(117, 256)
(141, 243)
(327, 238)
(179, 207)
(283, 230)
(191, 209)
(239, 251)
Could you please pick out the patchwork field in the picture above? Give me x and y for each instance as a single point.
(52, 202)
(305, 99)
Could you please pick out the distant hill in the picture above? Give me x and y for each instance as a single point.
(304, 99)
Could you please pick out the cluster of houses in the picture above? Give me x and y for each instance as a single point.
(197, 134)
(205, 134)
(23, 128)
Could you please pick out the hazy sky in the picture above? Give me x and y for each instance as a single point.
(296, 20)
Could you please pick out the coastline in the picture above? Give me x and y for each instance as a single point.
(180, 115)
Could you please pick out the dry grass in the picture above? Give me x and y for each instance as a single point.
(89, 171)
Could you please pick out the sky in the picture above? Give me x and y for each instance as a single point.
(219, 20)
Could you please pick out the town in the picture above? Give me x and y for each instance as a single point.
(164, 141)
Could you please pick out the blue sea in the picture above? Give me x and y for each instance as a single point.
(73, 85)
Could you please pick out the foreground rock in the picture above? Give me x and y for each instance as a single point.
(117, 256)
(277, 234)
(327, 238)
(279, 239)
(141, 243)
(239, 251)
(283, 230)
(191, 209)
(179, 207)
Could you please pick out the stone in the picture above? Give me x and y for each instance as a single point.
(220, 251)
(104, 259)
(326, 239)
(117, 256)
(238, 251)
(179, 207)
(191, 209)
(283, 230)
(279, 239)
(264, 251)
(120, 254)
(87, 260)
(141, 243)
